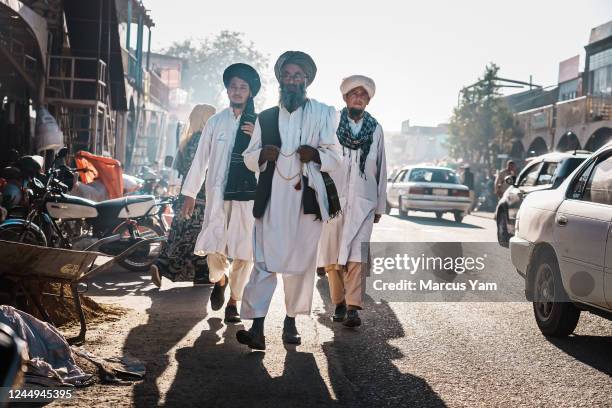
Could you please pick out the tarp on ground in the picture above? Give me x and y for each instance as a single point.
(49, 353)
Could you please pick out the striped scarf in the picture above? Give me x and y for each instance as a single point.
(361, 141)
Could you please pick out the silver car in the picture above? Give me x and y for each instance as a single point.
(563, 246)
(540, 173)
(430, 189)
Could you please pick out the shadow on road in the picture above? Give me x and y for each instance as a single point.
(120, 282)
(436, 222)
(591, 350)
(216, 370)
(173, 313)
(216, 373)
(361, 361)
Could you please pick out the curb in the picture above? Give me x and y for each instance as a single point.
(482, 214)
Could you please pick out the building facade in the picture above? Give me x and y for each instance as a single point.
(577, 114)
(88, 64)
(418, 144)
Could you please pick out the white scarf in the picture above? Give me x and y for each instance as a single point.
(319, 122)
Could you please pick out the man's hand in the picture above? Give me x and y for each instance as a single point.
(308, 154)
(188, 206)
(248, 128)
(377, 218)
(268, 153)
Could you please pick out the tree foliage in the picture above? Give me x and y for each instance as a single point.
(482, 126)
(206, 60)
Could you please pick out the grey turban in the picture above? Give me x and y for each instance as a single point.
(298, 58)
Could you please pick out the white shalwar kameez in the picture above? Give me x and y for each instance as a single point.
(361, 197)
(285, 240)
(226, 224)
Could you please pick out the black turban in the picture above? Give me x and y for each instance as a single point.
(245, 72)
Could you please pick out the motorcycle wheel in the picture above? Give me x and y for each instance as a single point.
(141, 260)
(13, 233)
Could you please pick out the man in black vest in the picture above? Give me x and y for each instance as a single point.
(292, 148)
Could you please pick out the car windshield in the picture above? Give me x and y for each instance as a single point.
(568, 166)
(434, 176)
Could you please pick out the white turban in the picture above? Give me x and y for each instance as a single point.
(355, 81)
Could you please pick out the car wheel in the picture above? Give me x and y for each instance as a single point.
(403, 213)
(503, 236)
(439, 214)
(555, 319)
(388, 208)
(458, 216)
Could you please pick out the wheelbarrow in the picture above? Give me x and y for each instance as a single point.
(23, 263)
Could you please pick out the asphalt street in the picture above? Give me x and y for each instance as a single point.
(406, 354)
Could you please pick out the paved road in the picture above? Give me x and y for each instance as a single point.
(405, 354)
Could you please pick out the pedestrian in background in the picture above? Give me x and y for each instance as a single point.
(468, 180)
(177, 261)
(500, 181)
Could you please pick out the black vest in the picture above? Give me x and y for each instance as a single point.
(270, 135)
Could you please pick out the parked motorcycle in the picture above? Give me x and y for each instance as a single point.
(153, 184)
(56, 219)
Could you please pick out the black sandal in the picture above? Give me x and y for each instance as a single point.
(217, 296)
(232, 315)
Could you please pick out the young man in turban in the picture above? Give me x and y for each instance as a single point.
(362, 185)
(230, 190)
(293, 147)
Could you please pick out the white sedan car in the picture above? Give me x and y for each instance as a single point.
(428, 188)
(563, 246)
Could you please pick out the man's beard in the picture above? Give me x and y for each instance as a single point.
(355, 113)
(292, 96)
(237, 105)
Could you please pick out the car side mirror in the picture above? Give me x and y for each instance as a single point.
(510, 180)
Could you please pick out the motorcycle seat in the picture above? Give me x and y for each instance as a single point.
(126, 207)
(70, 199)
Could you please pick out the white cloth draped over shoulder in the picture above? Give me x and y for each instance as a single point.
(286, 239)
(211, 162)
(361, 197)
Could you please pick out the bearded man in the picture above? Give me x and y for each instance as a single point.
(362, 184)
(230, 190)
(293, 148)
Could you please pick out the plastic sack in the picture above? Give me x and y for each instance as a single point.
(47, 134)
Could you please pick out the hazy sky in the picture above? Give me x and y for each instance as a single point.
(419, 53)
